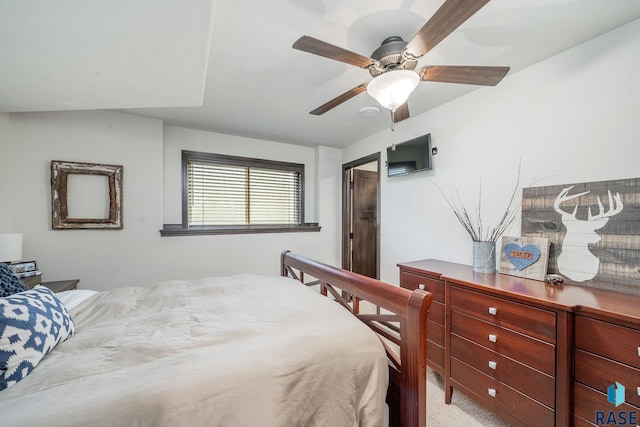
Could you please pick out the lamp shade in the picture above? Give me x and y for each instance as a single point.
(10, 247)
(392, 89)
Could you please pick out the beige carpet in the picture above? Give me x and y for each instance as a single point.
(461, 412)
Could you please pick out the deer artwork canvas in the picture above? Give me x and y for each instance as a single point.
(593, 228)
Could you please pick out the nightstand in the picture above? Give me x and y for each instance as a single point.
(61, 285)
(30, 282)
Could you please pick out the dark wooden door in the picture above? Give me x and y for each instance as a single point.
(364, 247)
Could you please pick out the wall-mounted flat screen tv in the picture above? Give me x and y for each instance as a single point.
(410, 156)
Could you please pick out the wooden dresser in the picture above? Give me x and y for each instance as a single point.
(503, 353)
(607, 350)
(509, 343)
(419, 278)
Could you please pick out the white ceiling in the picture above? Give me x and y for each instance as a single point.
(79, 54)
(228, 66)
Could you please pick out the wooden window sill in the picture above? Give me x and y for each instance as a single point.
(170, 230)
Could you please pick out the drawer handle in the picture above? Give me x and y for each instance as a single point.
(638, 391)
(493, 311)
(493, 365)
(492, 392)
(493, 338)
(638, 351)
(421, 286)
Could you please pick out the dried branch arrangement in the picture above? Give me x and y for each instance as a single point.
(473, 225)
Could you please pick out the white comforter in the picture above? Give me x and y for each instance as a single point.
(244, 350)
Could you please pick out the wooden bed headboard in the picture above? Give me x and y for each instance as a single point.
(400, 319)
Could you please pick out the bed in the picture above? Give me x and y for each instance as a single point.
(235, 351)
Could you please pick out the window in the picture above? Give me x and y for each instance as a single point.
(228, 194)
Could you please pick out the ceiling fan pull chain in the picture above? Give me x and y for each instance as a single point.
(393, 133)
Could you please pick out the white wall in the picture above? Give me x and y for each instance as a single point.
(329, 204)
(137, 254)
(98, 258)
(6, 146)
(572, 118)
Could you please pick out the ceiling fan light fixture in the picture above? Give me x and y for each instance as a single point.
(392, 89)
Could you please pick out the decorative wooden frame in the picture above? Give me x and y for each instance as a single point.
(60, 220)
(524, 257)
(400, 322)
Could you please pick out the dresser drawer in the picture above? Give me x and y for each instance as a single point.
(435, 344)
(413, 281)
(606, 339)
(501, 398)
(435, 356)
(533, 321)
(527, 380)
(529, 351)
(599, 373)
(581, 422)
(436, 312)
(588, 401)
(435, 333)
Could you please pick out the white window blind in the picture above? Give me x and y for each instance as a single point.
(225, 190)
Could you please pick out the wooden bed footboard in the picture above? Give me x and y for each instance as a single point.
(399, 317)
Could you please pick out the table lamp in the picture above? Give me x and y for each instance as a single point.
(10, 247)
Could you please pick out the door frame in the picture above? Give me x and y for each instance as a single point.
(346, 210)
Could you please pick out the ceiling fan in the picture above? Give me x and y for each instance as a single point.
(394, 62)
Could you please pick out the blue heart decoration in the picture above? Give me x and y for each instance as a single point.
(522, 257)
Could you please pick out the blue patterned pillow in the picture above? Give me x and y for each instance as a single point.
(32, 323)
(9, 284)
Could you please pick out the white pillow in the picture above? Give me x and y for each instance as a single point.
(73, 298)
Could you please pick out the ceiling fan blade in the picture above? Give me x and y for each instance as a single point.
(318, 47)
(402, 113)
(484, 76)
(339, 99)
(446, 19)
